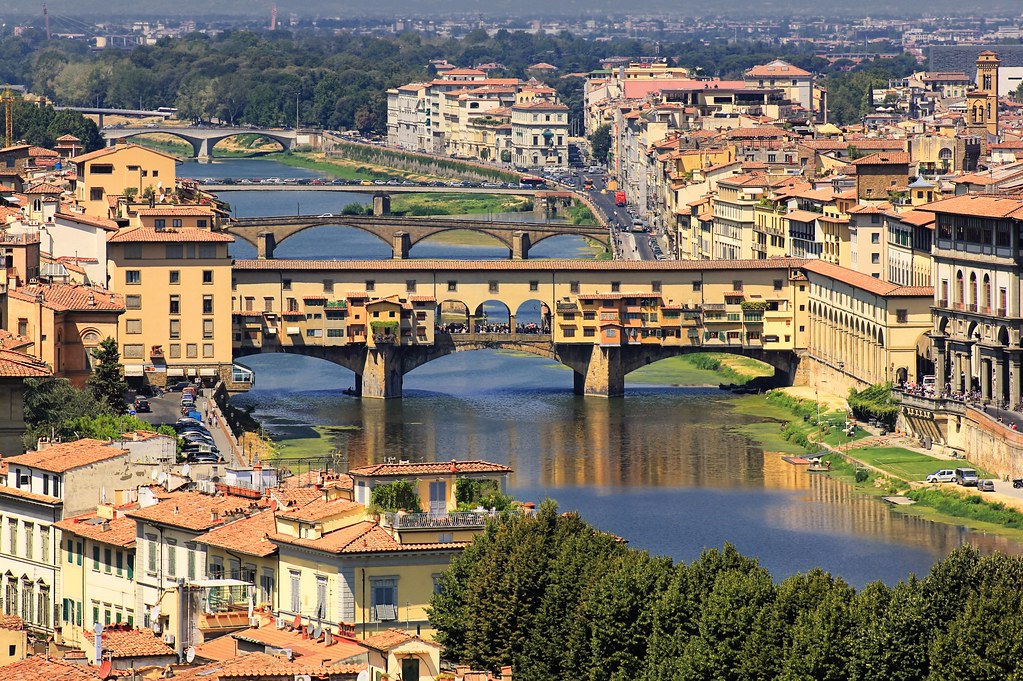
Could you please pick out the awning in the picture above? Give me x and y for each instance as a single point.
(208, 371)
(293, 331)
(134, 370)
(175, 372)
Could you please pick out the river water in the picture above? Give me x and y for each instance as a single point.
(661, 467)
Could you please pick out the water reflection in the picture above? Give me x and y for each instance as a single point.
(661, 467)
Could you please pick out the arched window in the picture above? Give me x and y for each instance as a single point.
(959, 287)
(973, 290)
(986, 300)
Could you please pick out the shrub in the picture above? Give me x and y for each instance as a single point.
(400, 495)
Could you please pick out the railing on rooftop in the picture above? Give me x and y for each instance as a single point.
(434, 521)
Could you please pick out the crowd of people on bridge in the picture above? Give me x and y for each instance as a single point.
(530, 328)
(972, 397)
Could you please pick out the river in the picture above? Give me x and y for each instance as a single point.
(660, 467)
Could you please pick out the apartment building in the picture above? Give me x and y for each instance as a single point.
(123, 170)
(176, 285)
(539, 133)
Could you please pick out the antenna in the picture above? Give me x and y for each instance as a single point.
(46, 21)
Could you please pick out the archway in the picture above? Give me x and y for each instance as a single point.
(566, 246)
(492, 316)
(322, 242)
(453, 316)
(533, 316)
(250, 141)
(459, 244)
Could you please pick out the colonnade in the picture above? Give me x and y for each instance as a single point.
(845, 339)
(972, 365)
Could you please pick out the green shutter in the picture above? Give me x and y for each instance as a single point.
(95, 557)
(131, 565)
(79, 553)
(70, 546)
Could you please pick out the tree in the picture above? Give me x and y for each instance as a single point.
(600, 143)
(106, 382)
(52, 405)
(399, 495)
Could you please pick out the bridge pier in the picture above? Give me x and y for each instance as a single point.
(382, 374)
(202, 151)
(520, 246)
(381, 204)
(265, 245)
(602, 374)
(400, 245)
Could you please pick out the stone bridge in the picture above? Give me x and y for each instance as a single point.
(203, 139)
(383, 319)
(402, 233)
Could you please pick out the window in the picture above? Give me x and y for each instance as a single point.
(737, 285)
(573, 287)
(176, 222)
(296, 595)
(371, 285)
(22, 327)
(151, 554)
(655, 286)
(175, 329)
(384, 598)
(132, 277)
(493, 286)
(190, 559)
(207, 350)
(534, 285)
(207, 328)
(268, 304)
(410, 286)
(29, 540)
(175, 351)
(569, 333)
(133, 251)
(207, 276)
(616, 286)
(286, 284)
(12, 526)
(875, 238)
(95, 557)
(133, 326)
(119, 563)
(321, 596)
(108, 560)
(201, 222)
(779, 284)
(452, 285)
(191, 350)
(697, 285)
(875, 258)
(44, 544)
(175, 304)
(589, 332)
(901, 316)
(175, 277)
(134, 351)
(207, 251)
(96, 194)
(173, 251)
(133, 302)
(172, 558)
(207, 304)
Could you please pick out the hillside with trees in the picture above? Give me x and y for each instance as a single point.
(557, 599)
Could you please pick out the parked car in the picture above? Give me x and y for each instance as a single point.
(944, 475)
(179, 386)
(967, 477)
(986, 485)
(142, 406)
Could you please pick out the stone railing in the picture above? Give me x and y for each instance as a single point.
(434, 521)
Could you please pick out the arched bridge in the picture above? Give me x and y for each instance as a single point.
(383, 319)
(203, 139)
(402, 233)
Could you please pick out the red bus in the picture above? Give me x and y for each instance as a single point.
(619, 198)
(530, 181)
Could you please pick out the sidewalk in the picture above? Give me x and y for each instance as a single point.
(222, 436)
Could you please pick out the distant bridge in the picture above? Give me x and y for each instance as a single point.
(203, 139)
(364, 189)
(101, 113)
(402, 233)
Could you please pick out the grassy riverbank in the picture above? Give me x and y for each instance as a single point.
(875, 470)
(702, 368)
(455, 203)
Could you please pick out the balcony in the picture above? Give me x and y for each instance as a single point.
(436, 521)
(753, 317)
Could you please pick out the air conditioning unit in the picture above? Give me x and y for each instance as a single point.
(280, 623)
(168, 638)
(303, 677)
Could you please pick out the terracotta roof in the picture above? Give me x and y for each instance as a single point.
(318, 509)
(865, 281)
(14, 364)
(306, 650)
(28, 496)
(760, 132)
(68, 138)
(979, 205)
(883, 158)
(170, 211)
(91, 220)
(67, 297)
(124, 642)
(263, 667)
(44, 188)
(428, 468)
(106, 151)
(191, 510)
(11, 622)
(802, 215)
(61, 457)
(362, 537)
(151, 235)
(118, 531)
(390, 639)
(247, 535)
(41, 668)
(918, 218)
(517, 265)
(776, 69)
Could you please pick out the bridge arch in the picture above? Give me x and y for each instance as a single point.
(283, 143)
(500, 240)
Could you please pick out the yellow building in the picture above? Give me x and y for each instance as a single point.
(176, 283)
(107, 174)
(13, 640)
(98, 576)
(872, 330)
(65, 323)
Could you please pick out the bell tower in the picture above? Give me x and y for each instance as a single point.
(982, 101)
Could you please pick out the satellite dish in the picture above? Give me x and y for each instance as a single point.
(185, 470)
(363, 675)
(317, 631)
(309, 629)
(97, 628)
(104, 669)
(190, 654)
(155, 474)
(161, 477)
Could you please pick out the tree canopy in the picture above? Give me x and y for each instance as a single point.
(556, 598)
(106, 382)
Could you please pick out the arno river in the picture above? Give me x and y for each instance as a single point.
(660, 467)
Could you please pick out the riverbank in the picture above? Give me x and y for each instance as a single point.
(878, 467)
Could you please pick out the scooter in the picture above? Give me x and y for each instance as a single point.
(1017, 483)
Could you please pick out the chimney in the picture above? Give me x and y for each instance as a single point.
(99, 643)
(506, 673)
(454, 466)
(213, 515)
(104, 526)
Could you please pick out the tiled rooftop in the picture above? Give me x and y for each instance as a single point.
(70, 297)
(118, 531)
(18, 364)
(319, 509)
(40, 668)
(413, 265)
(865, 281)
(261, 667)
(175, 234)
(120, 641)
(11, 622)
(64, 456)
(362, 537)
(246, 535)
(192, 510)
(392, 638)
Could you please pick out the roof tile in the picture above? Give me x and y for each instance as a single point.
(61, 457)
